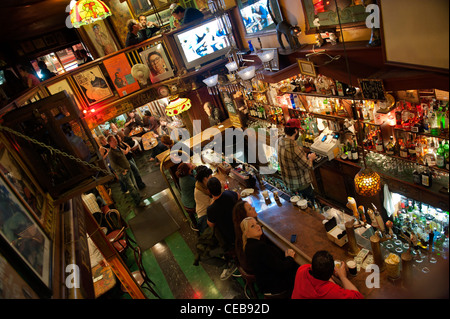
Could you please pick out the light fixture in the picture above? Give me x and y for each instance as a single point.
(247, 73)
(88, 11)
(367, 182)
(177, 105)
(232, 66)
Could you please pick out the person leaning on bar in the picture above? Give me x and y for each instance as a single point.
(294, 162)
(313, 281)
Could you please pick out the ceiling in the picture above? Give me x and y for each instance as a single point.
(22, 19)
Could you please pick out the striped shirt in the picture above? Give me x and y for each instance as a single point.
(294, 165)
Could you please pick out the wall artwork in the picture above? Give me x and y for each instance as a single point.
(64, 85)
(324, 14)
(93, 85)
(156, 60)
(101, 38)
(27, 242)
(145, 6)
(119, 71)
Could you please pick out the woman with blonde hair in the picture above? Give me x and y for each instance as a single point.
(274, 271)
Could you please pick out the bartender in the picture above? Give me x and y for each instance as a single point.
(295, 164)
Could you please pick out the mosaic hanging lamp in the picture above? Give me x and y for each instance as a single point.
(177, 106)
(88, 11)
(367, 182)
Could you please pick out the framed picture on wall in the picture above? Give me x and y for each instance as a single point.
(93, 85)
(101, 38)
(64, 85)
(351, 14)
(145, 7)
(257, 17)
(163, 14)
(306, 67)
(22, 237)
(156, 60)
(23, 185)
(119, 71)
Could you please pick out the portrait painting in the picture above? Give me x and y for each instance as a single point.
(156, 60)
(119, 71)
(23, 234)
(145, 6)
(22, 183)
(101, 38)
(63, 85)
(93, 85)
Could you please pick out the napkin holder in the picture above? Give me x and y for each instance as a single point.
(335, 233)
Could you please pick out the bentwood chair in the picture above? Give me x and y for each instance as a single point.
(250, 281)
(140, 275)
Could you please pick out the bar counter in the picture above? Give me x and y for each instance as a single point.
(281, 219)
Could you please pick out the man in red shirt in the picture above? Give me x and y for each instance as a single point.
(312, 281)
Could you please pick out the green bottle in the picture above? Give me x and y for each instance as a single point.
(440, 156)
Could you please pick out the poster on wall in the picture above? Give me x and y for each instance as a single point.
(156, 60)
(119, 71)
(63, 85)
(22, 233)
(101, 38)
(22, 183)
(93, 85)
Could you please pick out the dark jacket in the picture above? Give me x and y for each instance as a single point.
(118, 161)
(191, 14)
(274, 272)
(133, 39)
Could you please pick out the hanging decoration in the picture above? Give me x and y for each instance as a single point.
(177, 106)
(88, 11)
(367, 182)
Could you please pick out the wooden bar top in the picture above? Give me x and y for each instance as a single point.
(281, 219)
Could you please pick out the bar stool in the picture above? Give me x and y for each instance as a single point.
(250, 281)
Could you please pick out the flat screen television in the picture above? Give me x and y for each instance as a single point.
(256, 17)
(202, 43)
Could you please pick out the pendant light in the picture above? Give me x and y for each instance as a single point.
(88, 11)
(367, 182)
(177, 105)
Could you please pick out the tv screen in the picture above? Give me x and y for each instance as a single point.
(255, 16)
(202, 43)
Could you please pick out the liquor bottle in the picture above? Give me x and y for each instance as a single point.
(430, 155)
(379, 146)
(398, 115)
(355, 152)
(446, 154)
(427, 178)
(412, 149)
(440, 156)
(417, 175)
(390, 147)
(403, 150)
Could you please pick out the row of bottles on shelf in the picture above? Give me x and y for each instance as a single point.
(315, 85)
(266, 112)
(424, 225)
(431, 116)
(425, 150)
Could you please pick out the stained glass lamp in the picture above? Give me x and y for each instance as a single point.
(88, 11)
(177, 106)
(367, 182)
